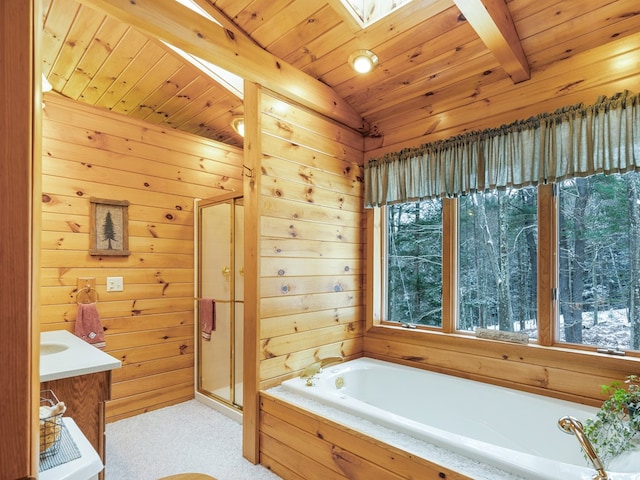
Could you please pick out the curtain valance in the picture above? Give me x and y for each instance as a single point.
(573, 141)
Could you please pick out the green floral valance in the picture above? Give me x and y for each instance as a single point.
(572, 141)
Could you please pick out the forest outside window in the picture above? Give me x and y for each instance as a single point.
(599, 261)
(497, 258)
(495, 269)
(414, 263)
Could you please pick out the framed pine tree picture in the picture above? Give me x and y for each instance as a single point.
(108, 230)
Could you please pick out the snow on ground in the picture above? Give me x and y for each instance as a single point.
(613, 329)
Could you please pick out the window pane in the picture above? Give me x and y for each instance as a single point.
(599, 261)
(414, 263)
(497, 278)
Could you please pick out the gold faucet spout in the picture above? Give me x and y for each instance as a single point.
(316, 366)
(573, 426)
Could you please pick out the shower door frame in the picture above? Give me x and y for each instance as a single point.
(227, 407)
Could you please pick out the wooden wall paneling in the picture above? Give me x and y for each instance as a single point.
(274, 370)
(278, 165)
(64, 276)
(151, 383)
(312, 196)
(140, 356)
(279, 267)
(20, 128)
(274, 287)
(67, 294)
(120, 409)
(283, 305)
(295, 342)
(291, 189)
(304, 229)
(224, 159)
(302, 280)
(302, 322)
(283, 121)
(312, 249)
(133, 371)
(149, 325)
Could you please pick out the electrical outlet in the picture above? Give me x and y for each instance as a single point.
(115, 284)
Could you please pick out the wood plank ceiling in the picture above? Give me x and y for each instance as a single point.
(433, 58)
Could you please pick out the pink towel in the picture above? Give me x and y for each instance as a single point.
(207, 317)
(88, 325)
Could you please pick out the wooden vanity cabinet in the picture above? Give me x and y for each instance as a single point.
(85, 397)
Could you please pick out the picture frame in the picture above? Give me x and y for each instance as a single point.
(109, 227)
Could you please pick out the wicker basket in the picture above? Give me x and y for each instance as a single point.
(50, 425)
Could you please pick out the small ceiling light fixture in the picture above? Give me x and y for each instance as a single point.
(363, 61)
(237, 123)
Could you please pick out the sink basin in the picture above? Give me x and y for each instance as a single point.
(51, 348)
(64, 355)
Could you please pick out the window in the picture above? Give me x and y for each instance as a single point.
(414, 265)
(590, 297)
(599, 248)
(497, 277)
(367, 12)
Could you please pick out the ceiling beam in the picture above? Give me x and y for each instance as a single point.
(230, 49)
(492, 22)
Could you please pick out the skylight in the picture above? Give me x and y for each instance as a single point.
(228, 80)
(366, 12)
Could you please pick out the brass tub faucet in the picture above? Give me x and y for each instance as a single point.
(316, 367)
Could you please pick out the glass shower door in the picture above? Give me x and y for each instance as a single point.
(220, 274)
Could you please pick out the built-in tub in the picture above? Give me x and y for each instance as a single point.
(511, 430)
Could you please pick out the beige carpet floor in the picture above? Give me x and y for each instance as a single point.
(188, 437)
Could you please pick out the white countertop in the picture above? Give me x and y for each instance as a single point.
(78, 358)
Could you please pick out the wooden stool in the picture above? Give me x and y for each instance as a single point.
(188, 476)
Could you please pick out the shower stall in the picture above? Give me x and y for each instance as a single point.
(219, 283)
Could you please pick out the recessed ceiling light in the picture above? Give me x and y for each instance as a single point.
(237, 123)
(363, 61)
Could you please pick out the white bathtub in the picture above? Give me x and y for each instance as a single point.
(511, 430)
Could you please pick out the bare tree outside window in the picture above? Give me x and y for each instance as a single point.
(599, 285)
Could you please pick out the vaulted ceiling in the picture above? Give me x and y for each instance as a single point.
(435, 55)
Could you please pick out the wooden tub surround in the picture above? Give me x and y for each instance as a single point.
(298, 444)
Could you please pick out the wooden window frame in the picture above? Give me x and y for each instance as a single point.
(547, 282)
